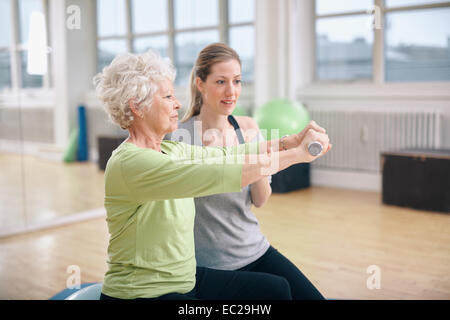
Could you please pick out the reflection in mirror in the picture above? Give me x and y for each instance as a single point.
(5, 23)
(26, 7)
(5, 69)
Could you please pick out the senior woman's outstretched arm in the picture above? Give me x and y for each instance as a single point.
(181, 171)
(185, 172)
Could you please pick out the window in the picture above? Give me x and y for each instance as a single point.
(414, 36)
(242, 34)
(196, 13)
(196, 26)
(344, 48)
(5, 43)
(417, 44)
(178, 29)
(14, 23)
(111, 30)
(187, 47)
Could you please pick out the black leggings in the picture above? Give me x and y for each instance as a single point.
(273, 262)
(214, 284)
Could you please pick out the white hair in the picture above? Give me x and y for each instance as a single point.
(131, 76)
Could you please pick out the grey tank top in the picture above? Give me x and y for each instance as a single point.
(227, 234)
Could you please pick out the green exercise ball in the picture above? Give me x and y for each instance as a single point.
(287, 116)
(239, 111)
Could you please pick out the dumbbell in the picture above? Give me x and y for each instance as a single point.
(315, 148)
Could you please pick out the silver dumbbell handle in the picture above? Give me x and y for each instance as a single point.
(315, 148)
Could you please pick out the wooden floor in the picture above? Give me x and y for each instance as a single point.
(332, 235)
(34, 190)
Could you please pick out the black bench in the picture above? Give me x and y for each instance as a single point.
(417, 179)
(106, 145)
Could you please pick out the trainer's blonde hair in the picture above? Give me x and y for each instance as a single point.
(209, 56)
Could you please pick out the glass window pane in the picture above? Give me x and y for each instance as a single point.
(343, 48)
(418, 45)
(111, 18)
(5, 23)
(403, 3)
(187, 47)
(149, 16)
(196, 13)
(5, 70)
(28, 80)
(108, 49)
(333, 6)
(156, 43)
(26, 7)
(241, 11)
(242, 39)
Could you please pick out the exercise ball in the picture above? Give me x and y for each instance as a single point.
(287, 116)
(239, 111)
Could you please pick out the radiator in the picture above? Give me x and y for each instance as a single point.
(358, 137)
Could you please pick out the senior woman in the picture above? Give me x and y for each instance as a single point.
(150, 185)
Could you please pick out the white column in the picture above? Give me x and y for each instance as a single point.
(59, 69)
(304, 43)
(73, 62)
(268, 50)
(279, 65)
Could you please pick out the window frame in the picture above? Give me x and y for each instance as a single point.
(223, 27)
(378, 58)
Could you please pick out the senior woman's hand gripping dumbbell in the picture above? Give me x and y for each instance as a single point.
(315, 148)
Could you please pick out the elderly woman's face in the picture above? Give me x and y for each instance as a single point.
(163, 115)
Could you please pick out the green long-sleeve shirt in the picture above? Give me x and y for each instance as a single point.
(150, 213)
